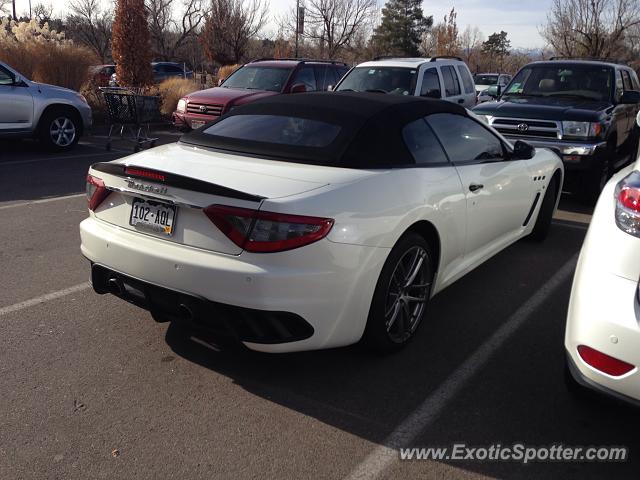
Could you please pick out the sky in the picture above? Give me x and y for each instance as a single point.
(521, 19)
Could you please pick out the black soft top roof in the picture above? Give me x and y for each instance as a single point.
(371, 127)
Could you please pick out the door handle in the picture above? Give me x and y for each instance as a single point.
(474, 187)
(461, 101)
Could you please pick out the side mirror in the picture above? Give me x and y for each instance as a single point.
(330, 88)
(220, 81)
(522, 151)
(630, 97)
(499, 90)
(298, 88)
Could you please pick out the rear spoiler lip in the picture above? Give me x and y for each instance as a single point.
(177, 181)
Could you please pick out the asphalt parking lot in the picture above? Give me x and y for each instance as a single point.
(94, 388)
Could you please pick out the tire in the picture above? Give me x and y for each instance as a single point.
(594, 180)
(401, 295)
(634, 139)
(59, 129)
(545, 215)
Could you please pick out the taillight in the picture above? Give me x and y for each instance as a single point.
(258, 231)
(96, 192)
(627, 198)
(603, 362)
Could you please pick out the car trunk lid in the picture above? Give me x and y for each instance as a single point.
(178, 181)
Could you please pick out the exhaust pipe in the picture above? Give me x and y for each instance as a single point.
(115, 286)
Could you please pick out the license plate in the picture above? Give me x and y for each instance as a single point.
(196, 123)
(153, 216)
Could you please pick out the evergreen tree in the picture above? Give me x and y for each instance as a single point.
(403, 25)
(497, 46)
(131, 49)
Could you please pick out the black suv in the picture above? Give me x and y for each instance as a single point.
(583, 110)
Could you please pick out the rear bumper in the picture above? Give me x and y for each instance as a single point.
(243, 324)
(604, 310)
(327, 284)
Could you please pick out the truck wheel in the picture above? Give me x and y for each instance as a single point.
(595, 179)
(545, 215)
(59, 129)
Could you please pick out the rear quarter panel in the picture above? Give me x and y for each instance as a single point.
(377, 210)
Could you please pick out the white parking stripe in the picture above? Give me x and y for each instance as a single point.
(44, 298)
(427, 412)
(44, 200)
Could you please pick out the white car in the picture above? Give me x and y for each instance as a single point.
(443, 77)
(602, 337)
(309, 221)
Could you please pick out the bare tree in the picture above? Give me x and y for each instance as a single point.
(42, 13)
(229, 26)
(590, 28)
(471, 46)
(4, 7)
(333, 24)
(167, 34)
(88, 24)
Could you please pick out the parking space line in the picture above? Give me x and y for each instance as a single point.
(44, 200)
(44, 298)
(431, 408)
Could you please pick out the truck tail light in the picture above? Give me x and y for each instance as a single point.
(603, 362)
(258, 231)
(627, 198)
(96, 192)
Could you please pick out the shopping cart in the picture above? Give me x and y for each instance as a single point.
(131, 112)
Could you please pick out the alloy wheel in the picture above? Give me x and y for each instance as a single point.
(407, 294)
(62, 131)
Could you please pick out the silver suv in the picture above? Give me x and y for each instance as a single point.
(57, 116)
(442, 77)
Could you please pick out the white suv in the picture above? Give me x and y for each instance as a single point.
(442, 77)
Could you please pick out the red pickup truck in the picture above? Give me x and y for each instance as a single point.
(255, 80)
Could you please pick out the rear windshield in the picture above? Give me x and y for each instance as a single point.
(590, 82)
(259, 78)
(486, 79)
(400, 80)
(276, 129)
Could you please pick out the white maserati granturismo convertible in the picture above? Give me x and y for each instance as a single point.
(314, 220)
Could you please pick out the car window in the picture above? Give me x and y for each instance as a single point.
(324, 76)
(396, 80)
(634, 80)
(627, 80)
(465, 140)
(423, 144)
(451, 85)
(592, 82)
(467, 81)
(504, 80)
(5, 77)
(485, 79)
(306, 76)
(258, 78)
(431, 84)
(619, 84)
(287, 130)
(340, 72)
